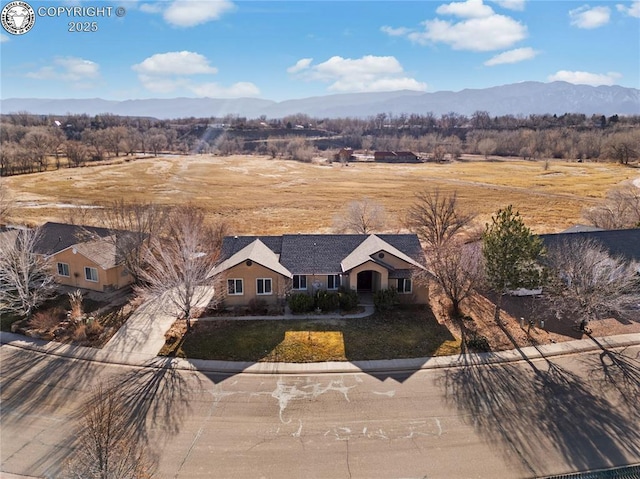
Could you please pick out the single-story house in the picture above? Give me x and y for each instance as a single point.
(269, 267)
(84, 256)
(623, 243)
(395, 157)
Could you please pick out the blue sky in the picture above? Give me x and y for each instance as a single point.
(289, 49)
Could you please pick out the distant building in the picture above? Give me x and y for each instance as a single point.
(395, 157)
(344, 155)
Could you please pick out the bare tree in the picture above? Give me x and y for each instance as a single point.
(25, 277)
(435, 217)
(107, 445)
(133, 227)
(620, 209)
(457, 269)
(6, 203)
(179, 263)
(362, 217)
(587, 283)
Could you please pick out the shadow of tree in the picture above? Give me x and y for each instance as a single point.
(156, 398)
(616, 372)
(542, 413)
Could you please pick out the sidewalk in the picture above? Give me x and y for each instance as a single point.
(145, 359)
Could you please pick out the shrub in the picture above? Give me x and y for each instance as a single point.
(258, 306)
(80, 333)
(386, 299)
(94, 329)
(348, 299)
(327, 301)
(478, 343)
(301, 303)
(46, 320)
(75, 300)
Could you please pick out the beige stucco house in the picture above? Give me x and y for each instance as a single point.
(269, 267)
(84, 256)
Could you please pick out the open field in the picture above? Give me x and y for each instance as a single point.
(259, 195)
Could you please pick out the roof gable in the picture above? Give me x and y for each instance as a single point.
(369, 247)
(257, 252)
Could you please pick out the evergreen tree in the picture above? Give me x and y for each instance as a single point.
(511, 255)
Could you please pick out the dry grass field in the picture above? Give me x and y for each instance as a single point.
(259, 195)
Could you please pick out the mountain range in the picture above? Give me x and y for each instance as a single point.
(524, 98)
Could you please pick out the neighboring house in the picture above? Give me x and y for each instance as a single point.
(268, 267)
(395, 157)
(84, 256)
(624, 243)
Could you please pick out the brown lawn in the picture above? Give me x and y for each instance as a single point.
(264, 196)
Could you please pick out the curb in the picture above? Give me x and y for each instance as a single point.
(331, 367)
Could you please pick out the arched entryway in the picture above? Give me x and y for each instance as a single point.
(368, 281)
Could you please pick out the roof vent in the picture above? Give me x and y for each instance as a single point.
(380, 255)
(248, 262)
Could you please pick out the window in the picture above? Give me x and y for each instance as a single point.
(263, 285)
(63, 269)
(235, 286)
(91, 274)
(333, 281)
(404, 286)
(299, 281)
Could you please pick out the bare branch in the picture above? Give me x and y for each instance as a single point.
(362, 217)
(25, 277)
(587, 283)
(179, 263)
(435, 218)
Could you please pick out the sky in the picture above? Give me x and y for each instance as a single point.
(279, 50)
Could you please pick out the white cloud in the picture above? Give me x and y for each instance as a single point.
(468, 9)
(632, 11)
(367, 74)
(494, 32)
(171, 71)
(395, 32)
(300, 65)
(585, 78)
(237, 90)
(3, 38)
(512, 4)
(587, 17)
(175, 63)
(512, 56)
(188, 13)
(82, 73)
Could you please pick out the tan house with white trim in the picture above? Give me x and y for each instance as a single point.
(84, 256)
(269, 267)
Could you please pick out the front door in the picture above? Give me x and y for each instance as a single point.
(365, 281)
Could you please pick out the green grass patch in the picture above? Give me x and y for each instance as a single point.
(403, 333)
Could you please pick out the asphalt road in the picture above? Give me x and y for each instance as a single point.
(525, 419)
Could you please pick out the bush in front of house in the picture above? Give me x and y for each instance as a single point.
(348, 299)
(327, 301)
(258, 307)
(301, 303)
(478, 343)
(386, 299)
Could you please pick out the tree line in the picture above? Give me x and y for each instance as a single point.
(33, 143)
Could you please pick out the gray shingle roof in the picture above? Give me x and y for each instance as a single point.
(95, 242)
(625, 243)
(319, 254)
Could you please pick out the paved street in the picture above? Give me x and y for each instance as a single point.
(523, 419)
